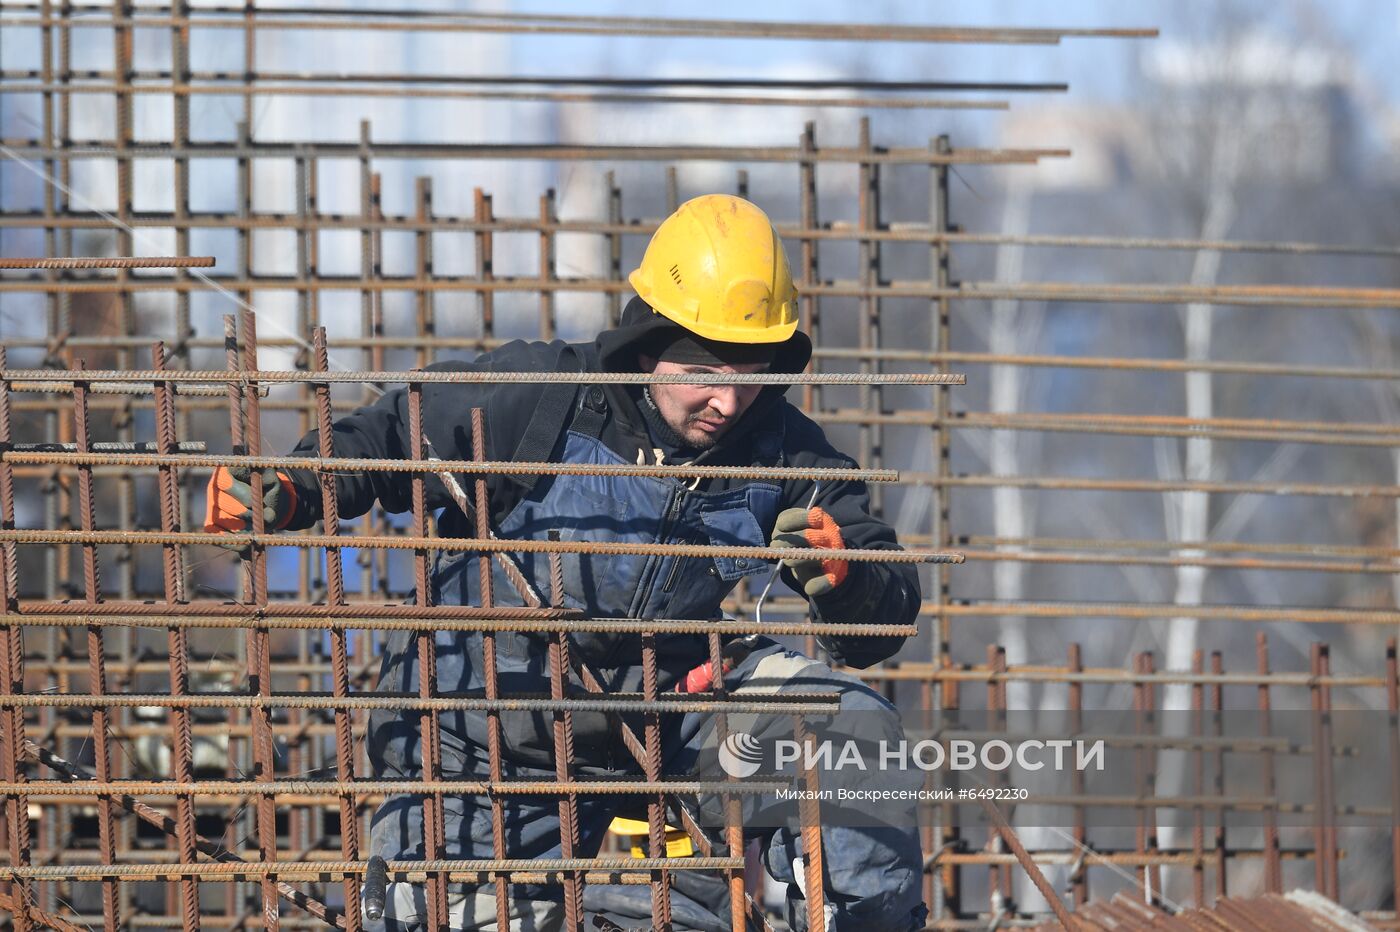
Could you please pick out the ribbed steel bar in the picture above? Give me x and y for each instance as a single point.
(177, 646)
(430, 734)
(112, 262)
(285, 376)
(82, 616)
(12, 683)
(563, 726)
(466, 544)
(798, 704)
(328, 466)
(97, 658)
(1131, 364)
(1158, 486)
(1018, 851)
(457, 870)
(540, 151)
(833, 231)
(1118, 559)
(655, 803)
(258, 637)
(1266, 297)
(330, 789)
(399, 88)
(340, 664)
(1259, 296)
(188, 868)
(1204, 546)
(414, 20)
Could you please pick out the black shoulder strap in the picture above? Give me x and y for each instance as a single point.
(592, 412)
(551, 415)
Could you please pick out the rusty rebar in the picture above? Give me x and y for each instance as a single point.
(478, 377)
(112, 262)
(331, 465)
(259, 539)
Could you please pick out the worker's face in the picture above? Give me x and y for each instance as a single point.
(701, 414)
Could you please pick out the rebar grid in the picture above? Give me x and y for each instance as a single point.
(283, 727)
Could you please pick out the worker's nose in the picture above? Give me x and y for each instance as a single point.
(725, 400)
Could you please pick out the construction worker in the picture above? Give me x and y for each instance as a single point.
(714, 295)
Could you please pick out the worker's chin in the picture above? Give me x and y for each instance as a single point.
(700, 438)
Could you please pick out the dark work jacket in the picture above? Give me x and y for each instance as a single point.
(603, 424)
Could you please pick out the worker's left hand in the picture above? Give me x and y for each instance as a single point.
(228, 503)
(811, 527)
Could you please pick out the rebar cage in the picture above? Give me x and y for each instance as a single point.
(198, 759)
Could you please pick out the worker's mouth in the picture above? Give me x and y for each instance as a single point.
(711, 427)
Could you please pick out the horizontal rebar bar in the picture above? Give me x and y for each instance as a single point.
(111, 262)
(353, 465)
(1155, 486)
(101, 448)
(465, 544)
(457, 870)
(271, 18)
(1385, 567)
(1045, 674)
(1340, 433)
(86, 149)
(475, 377)
(1262, 296)
(399, 90)
(481, 344)
(1148, 610)
(223, 788)
(836, 231)
(679, 703)
(349, 620)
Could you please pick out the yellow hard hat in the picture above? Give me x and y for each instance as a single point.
(717, 268)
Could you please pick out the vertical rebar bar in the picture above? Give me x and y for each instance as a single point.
(809, 814)
(1079, 874)
(485, 266)
(656, 802)
(423, 266)
(340, 666)
(1392, 702)
(564, 748)
(945, 828)
(1198, 779)
(97, 658)
(1273, 869)
(434, 830)
(1217, 706)
(481, 505)
(614, 200)
(12, 679)
(548, 324)
(872, 447)
(177, 646)
(259, 660)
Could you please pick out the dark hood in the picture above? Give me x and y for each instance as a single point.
(641, 330)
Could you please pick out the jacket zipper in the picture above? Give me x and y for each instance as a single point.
(672, 514)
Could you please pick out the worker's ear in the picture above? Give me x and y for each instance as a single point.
(646, 363)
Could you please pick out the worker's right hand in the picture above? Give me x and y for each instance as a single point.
(229, 500)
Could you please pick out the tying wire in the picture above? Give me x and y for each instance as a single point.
(777, 565)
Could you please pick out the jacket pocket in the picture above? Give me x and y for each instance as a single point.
(736, 525)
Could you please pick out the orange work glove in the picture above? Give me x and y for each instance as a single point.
(811, 527)
(229, 500)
